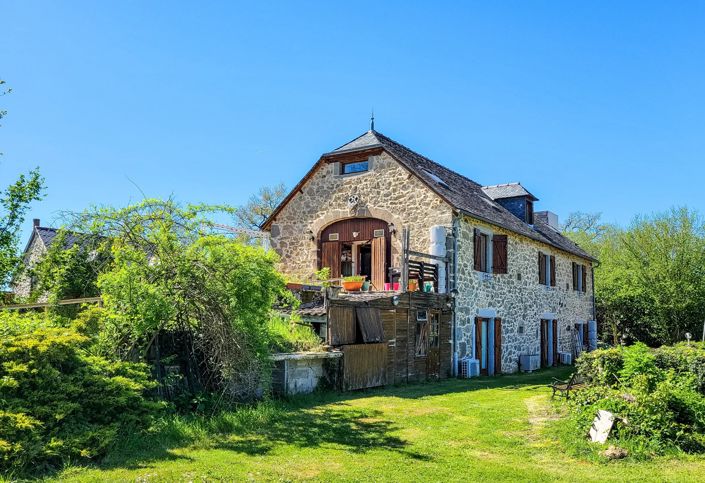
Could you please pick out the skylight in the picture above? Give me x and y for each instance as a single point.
(436, 178)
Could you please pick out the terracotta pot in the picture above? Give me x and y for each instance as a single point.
(413, 285)
(352, 286)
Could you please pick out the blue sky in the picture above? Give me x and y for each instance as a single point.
(598, 107)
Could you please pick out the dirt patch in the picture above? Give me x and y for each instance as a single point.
(540, 413)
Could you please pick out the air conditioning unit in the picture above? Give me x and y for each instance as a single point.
(529, 362)
(469, 367)
(565, 358)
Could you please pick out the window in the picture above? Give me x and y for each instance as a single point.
(481, 251)
(421, 338)
(490, 252)
(355, 167)
(579, 277)
(547, 270)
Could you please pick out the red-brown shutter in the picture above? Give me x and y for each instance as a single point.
(379, 249)
(499, 253)
(478, 342)
(497, 345)
(553, 271)
(477, 250)
(555, 342)
(330, 257)
(584, 278)
(542, 268)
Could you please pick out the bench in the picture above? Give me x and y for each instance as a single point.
(563, 388)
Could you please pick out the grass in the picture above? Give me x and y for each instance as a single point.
(499, 429)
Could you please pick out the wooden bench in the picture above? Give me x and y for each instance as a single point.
(563, 388)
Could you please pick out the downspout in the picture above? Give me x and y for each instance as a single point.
(454, 295)
(592, 276)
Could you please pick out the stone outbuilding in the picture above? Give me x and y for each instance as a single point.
(520, 289)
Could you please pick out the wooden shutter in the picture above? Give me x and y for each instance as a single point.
(497, 345)
(575, 276)
(584, 278)
(477, 249)
(370, 324)
(553, 271)
(542, 268)
(379, 250)
(330, 257)
(478, 341)
(499, 253)
(555, 342)
(341, 326)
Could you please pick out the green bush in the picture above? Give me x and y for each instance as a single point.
(57, 403)
(292, 336)
(656, 395)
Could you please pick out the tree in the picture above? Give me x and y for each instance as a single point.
(172, 275)
(650, 281)
(15, 201)
(255, 212)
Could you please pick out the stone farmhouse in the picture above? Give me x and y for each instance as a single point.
(371, 207)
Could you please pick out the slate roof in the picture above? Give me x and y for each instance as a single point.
(462, 193)
(47, 236)
(507, 190)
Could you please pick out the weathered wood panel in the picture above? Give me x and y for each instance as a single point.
(364, 365)
(370, 324)
(341, 325)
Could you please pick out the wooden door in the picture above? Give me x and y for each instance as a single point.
(364, 365)
(549, 340)
(379, 249)
(498, 346)
(330, 257)
(433, 357)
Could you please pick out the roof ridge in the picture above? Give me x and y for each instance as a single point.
(503, 184)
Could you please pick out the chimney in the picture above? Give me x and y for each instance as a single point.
(549, 218)
(35, 222)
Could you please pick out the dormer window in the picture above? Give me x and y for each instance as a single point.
(355, 167)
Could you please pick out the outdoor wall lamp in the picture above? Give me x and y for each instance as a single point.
(392, 228)
(311, 236)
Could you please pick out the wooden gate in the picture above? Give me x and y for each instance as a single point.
(364, 365)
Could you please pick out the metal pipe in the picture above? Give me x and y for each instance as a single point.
(454, 289)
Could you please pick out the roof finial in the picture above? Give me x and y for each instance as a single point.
(372, 121)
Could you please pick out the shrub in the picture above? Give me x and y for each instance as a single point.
(292, 336)
(57, 403)
(656, 395)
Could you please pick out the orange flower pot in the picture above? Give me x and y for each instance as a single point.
(352, 286)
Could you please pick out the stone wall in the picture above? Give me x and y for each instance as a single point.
(22, 285)
(303, 372)
(517, 297)
(388, 192)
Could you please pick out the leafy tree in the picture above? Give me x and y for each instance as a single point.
(650, 282)
(15, 201)
(260, 206)
(171, 274)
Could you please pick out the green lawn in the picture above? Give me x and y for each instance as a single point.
(483, 429)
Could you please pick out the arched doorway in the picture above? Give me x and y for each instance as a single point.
(356, 246)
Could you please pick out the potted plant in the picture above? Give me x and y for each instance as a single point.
(353, 283)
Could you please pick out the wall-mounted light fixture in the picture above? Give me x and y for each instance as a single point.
(311, 236)
(392, 228)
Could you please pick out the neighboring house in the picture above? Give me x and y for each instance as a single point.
(39, 242)
(520, 287)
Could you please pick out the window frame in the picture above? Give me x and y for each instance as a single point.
(343, 166)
